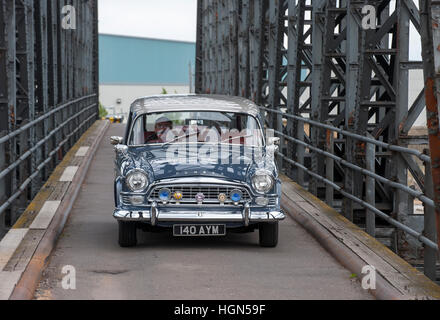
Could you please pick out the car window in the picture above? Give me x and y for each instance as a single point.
(196, 126)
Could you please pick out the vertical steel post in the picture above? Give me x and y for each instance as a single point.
(296, 61)
(430, 32)
(329, 167)
(276, 37)
(430, 255)
(370, 187)
(243, 47)
(200, 48)
(318, 40)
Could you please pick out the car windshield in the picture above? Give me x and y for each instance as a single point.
(196, 127)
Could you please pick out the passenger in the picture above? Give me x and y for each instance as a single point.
(161, 128)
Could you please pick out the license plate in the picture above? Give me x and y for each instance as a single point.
(199, 230)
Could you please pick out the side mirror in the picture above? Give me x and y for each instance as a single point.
(115, 140)
(121, 149)
(273, 141)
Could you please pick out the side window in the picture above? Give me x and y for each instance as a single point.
(137, 134)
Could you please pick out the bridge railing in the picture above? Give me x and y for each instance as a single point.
(367, 171)
(341, 90)
(71, 120)
(49, 85)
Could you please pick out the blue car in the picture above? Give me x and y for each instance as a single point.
(197, 165)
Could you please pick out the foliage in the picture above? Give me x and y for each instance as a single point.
(102, 111)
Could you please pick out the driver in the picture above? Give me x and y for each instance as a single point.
(161, 128)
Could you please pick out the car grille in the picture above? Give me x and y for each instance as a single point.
(189, 193)
(126, 198)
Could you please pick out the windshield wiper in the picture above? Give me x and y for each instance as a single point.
(230, 138)
(178, 138)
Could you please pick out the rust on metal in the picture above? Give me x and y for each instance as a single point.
(434, 145)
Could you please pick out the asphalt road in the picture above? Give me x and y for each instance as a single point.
(163, 267)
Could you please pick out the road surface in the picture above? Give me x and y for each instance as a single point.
(163, 267)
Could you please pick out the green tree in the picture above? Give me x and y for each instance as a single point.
(164, 91)
(102, 112)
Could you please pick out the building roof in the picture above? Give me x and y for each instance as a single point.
(166, 103)
(135, 60)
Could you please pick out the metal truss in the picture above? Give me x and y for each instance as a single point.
(336, 92)
(48, 93)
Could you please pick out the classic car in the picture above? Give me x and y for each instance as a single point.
(196, 165)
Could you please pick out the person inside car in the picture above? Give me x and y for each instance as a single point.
(161, 128)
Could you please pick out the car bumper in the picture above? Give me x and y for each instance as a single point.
(155, 215)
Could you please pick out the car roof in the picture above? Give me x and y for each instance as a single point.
(186, 102)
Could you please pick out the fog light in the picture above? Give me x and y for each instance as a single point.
(137, 200)
(261, 201)
(236, 195)
(164, 195)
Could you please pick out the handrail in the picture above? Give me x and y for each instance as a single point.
(39, 119)
(382, 144)
(25, 183)
(417, 194)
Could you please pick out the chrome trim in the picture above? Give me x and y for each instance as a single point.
(133, 123)
(141, 171)
(154, 215)
(259, 172)
(115, 140)
(191, 190)
(246, 214)
(204, 180)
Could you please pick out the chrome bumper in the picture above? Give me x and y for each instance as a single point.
(154, 215)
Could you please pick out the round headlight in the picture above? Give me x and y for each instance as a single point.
(262, 181)
(137, 180)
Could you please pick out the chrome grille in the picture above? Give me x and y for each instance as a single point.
(189, 193)
(126, 198)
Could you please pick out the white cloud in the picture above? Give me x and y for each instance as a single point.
(164, 19)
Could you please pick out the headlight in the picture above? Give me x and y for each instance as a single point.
(262, 181)
(137, 180)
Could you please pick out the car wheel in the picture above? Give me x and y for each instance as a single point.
(127, 233)
(268, 234)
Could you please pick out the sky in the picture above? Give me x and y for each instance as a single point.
(164, 19)
(169, 19)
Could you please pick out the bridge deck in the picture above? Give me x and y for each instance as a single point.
(354, 248)
(162, 267)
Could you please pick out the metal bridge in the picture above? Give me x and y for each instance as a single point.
(48, 93)
(332, 88)
(336, 93)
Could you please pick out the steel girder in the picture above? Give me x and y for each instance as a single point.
(430, 32)
(315, 59)
(44, 69)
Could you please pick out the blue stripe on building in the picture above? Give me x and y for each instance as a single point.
(133, 60)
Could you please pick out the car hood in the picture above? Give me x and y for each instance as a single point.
(165, 162)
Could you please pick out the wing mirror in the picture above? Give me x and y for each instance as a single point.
(273, 141)
(115, 140)
(121, 149)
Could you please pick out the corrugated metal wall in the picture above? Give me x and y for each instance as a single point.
(131, 60)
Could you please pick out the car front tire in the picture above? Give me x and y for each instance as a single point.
(268, 234)
(127, 234)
